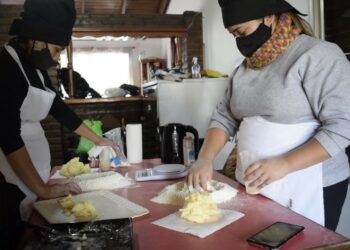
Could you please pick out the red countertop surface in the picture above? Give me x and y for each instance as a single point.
(259, 213)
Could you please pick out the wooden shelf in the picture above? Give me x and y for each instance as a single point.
(149, 66)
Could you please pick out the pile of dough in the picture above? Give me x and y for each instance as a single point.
(83, 210)
(74, 167)
(104, 181)
(175, 194)
(200, 208)
(67, 203)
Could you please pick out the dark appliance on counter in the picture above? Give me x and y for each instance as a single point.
(171, 136)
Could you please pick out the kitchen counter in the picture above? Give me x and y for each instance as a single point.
(259, 213)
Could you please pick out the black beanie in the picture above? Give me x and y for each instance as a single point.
(49, 21)
(240, 11)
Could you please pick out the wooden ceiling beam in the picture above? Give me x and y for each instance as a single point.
(154, 26)
(135, 33)
(163, 6)
(123, 8)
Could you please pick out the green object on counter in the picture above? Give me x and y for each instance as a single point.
(85, 144)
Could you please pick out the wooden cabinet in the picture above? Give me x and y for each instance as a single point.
(149, 66)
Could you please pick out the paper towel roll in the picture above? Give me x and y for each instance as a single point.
(134, 143)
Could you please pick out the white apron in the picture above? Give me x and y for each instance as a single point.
(35, 108)
(301, 191)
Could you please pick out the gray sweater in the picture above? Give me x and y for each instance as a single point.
(310, 81)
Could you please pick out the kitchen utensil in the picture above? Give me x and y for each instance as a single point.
(171, 136)
(161, 172)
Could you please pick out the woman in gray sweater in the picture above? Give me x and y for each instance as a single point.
(290, 102)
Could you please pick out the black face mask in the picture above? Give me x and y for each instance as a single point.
(247, 45)
(42, 59)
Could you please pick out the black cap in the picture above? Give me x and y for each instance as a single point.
(50, 21)
(240, 11)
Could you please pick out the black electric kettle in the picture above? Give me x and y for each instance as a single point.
(171, 136)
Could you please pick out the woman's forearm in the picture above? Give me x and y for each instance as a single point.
(214, 141)
(306, 155)
(86, 132)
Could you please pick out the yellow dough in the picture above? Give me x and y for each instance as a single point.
(67, 203)
(200, 208)
(74, 167)
(84, 211)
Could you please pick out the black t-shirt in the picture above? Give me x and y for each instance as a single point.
(14, 88)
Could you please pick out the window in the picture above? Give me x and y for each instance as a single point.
(108, 62)
(102, 67)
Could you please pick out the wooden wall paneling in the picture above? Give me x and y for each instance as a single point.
(122, 6)
(7, 14)
(130, 25)
(194, 39)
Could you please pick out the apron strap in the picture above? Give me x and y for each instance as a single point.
(15, 57)
(41, 78)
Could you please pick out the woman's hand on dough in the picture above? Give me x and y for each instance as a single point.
(59, 190)
(263, 172)
(200, 174)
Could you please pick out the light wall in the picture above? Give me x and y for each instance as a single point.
(221, 52)
(151, 47)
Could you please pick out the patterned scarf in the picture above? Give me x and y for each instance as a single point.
(285, 33)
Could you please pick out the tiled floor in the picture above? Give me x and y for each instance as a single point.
(344, 223)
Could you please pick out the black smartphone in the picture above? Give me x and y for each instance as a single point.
(275, 235)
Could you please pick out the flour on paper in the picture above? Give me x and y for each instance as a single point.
(175, 194)
(102, 181)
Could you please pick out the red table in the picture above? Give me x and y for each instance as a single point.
(259, 213)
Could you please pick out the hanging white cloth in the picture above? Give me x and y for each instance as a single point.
(301, 191)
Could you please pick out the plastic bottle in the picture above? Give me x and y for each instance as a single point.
(105, 160)
(188, 150)
(196, 68)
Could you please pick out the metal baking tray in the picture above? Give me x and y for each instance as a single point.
(105, 234)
